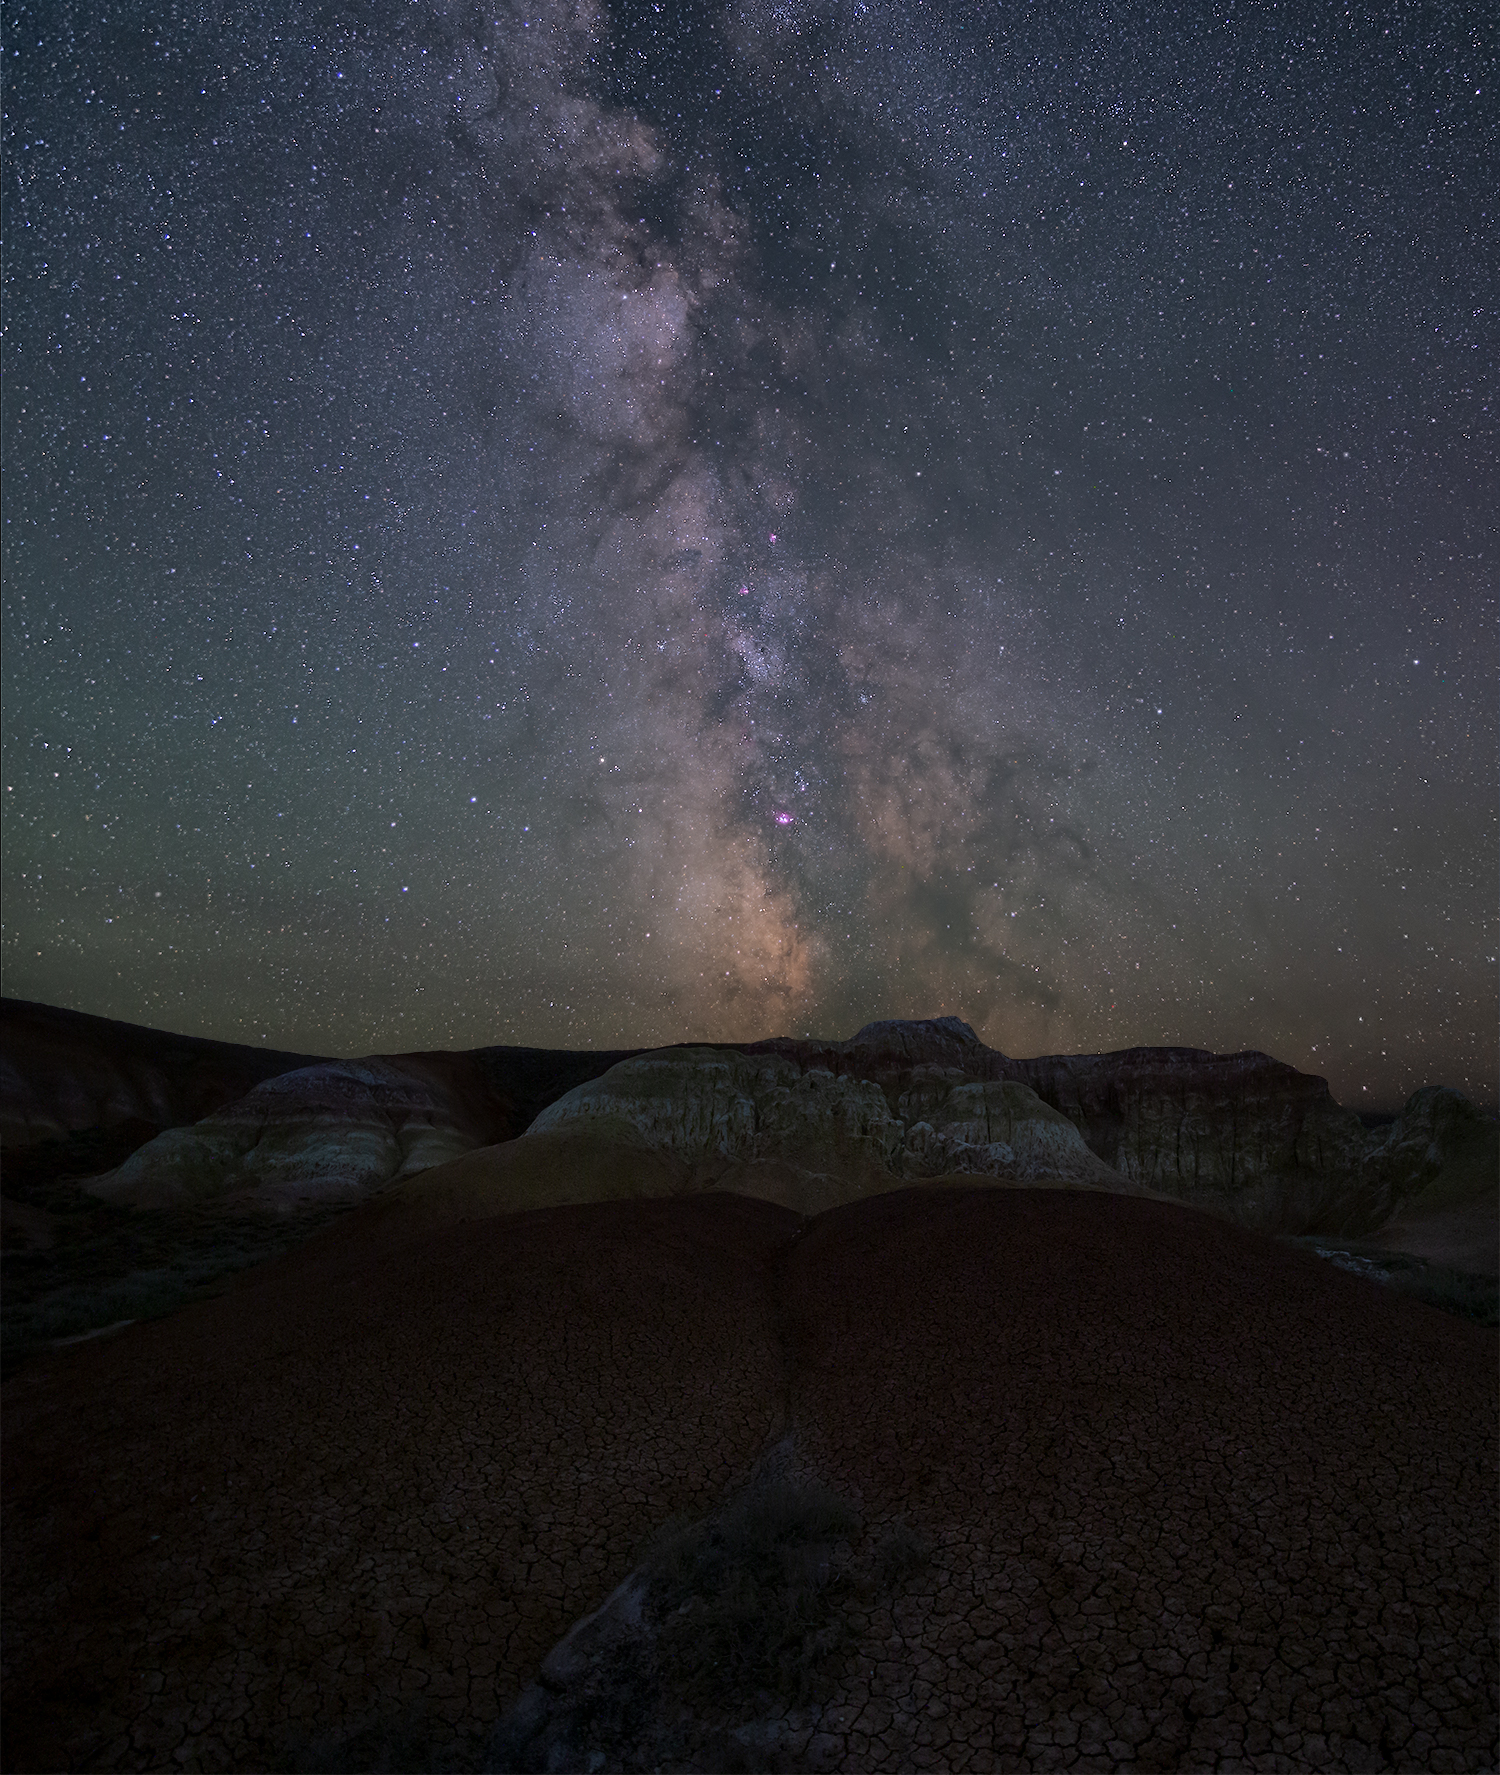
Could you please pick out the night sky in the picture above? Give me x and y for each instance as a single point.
(618, 524)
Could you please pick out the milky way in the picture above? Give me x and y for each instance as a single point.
(572, 525)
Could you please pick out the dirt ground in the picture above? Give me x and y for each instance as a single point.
(1188, 1498)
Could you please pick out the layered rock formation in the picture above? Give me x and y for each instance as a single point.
(710, 1108)
(337, 1131)
(1440, 1148)
(1001, 1129)
(803, 1123)
(1241, 1134)
(342, 1130)
(1436, 1164)
(764, 1124)
(755, 1123)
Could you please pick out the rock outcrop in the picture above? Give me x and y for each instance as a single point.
(803, 1123)
(715, 1109)
(809, 1124)
(1241, 1135)
(1438, 1165)
(999, 1129)
(1440, 1148)
(160, 1119)
(342, 1130)
(723, 1113)
(896, 1054)
(762, 1125)
(337, 1131)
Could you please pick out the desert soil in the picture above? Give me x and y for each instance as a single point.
(1192, 1499)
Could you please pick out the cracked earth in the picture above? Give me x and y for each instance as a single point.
(1188, 1499)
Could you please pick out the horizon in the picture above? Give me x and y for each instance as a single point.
(1367, 1108)
(587, 524)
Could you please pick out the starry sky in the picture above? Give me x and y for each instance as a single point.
(619, 523)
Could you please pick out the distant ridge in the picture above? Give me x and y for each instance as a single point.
(61, 1071)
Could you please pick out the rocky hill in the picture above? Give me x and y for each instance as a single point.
(805, 1124)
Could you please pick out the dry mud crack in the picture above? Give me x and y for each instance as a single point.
(1126, 1488)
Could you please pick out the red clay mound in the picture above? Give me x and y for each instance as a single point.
(1192, 1499)
(372, 1482)
(1196, 1498)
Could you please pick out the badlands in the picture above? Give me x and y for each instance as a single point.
(881, 1404)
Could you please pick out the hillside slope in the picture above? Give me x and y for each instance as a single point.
(1167, 1491)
